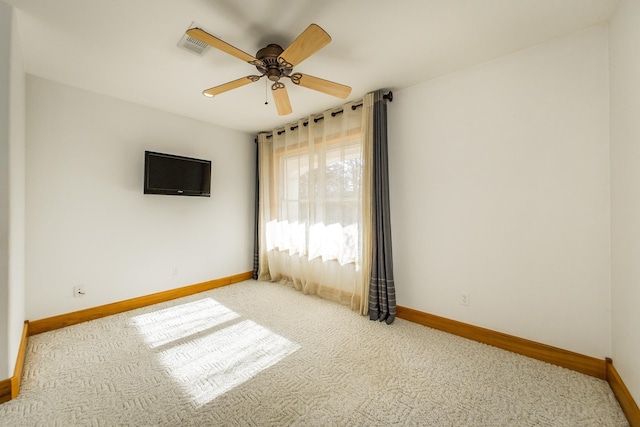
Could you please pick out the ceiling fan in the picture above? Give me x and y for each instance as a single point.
(275, 63)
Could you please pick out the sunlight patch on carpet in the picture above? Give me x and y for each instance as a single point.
(209, 366)
(175, 323)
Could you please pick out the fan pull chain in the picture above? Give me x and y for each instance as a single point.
(266, 91)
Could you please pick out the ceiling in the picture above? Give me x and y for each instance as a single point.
(128, 48)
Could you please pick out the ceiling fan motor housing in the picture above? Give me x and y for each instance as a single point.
(271, 66)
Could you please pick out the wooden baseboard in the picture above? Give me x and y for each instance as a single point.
(557, 356)
(60, 321)
(620, 390)
(10, 388)
(17, 372)
(5, 390)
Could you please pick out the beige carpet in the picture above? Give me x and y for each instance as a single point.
(261, 354)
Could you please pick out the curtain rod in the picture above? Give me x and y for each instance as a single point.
(387, 97)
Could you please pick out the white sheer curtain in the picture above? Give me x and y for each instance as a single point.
(312, 206)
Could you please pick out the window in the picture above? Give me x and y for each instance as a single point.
(319, 199)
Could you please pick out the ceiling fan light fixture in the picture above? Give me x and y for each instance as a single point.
(273, 74)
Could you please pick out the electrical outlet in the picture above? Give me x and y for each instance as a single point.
(78, 291)
(465, 298)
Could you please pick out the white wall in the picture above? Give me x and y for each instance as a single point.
(16, 198)
(12, 212)
(5, 85)
(499, 180)
(88, 221)
(624, 34)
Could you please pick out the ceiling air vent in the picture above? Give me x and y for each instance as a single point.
(191, 44)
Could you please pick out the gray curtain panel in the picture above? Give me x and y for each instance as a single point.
(256, 260)
(382, 292)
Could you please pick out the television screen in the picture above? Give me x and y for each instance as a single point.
(176, 175)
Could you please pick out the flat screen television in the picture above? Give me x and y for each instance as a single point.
(176, 175)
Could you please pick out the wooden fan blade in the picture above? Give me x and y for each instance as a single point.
(321, 85)
(204, 37)
(309, 42)
(230, 85)
(281, 97)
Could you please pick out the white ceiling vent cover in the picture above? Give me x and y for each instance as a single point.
(191, 44)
